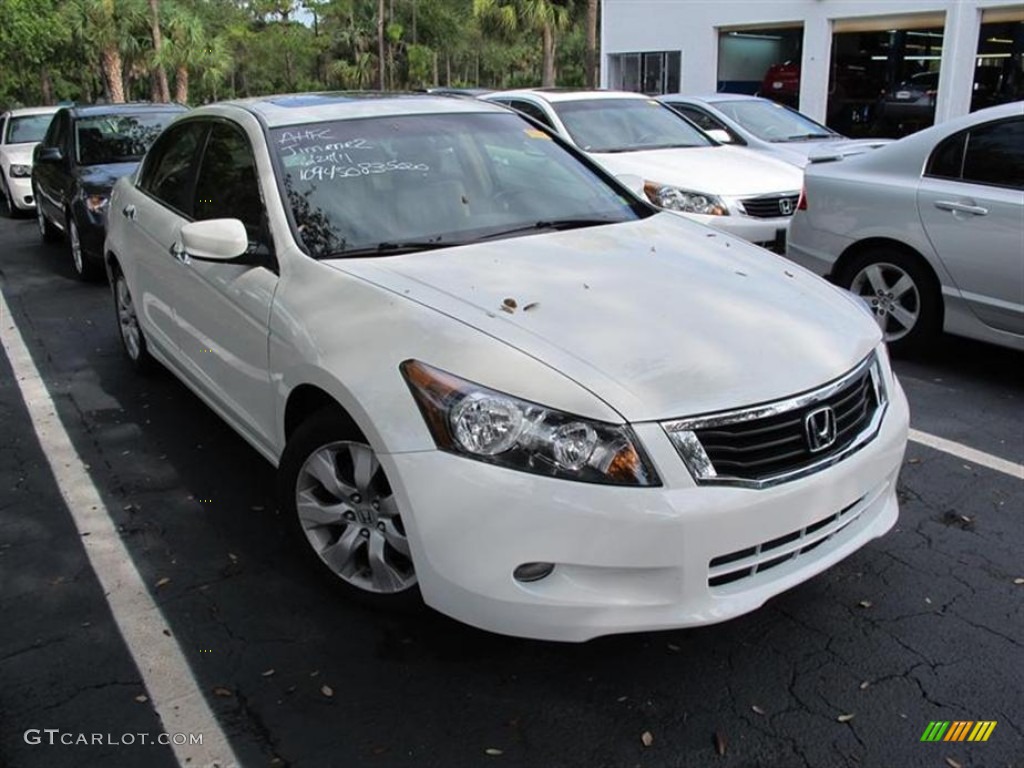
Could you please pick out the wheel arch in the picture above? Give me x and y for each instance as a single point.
(873, 243)
(305, 400)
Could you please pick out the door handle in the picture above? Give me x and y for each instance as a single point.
(129, 212)
(177, 250)
(949, 205)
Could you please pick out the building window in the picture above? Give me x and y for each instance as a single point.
(653, 73)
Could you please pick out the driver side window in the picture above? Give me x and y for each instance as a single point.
(228, 184)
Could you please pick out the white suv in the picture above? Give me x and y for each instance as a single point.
(670, 160)
(20, 131)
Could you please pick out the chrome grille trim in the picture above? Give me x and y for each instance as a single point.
(682, 432)
(770, 206)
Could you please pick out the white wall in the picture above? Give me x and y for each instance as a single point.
(693, 25)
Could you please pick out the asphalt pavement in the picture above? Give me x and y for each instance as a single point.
(848, 669)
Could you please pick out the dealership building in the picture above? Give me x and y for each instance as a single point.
(838, 61)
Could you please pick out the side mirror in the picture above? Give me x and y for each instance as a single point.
(49, 155)
(720, 135)
(215, 239)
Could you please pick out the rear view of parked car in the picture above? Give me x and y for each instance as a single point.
(20, 131)
(928, 230)
(85, 150)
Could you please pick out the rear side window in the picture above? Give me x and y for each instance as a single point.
(170, 170)
(995, 155)
(991, 154)
(228, 187)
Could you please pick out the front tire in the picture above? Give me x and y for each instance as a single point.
(48, 232)
(902, 294)
(86, 268)
(336, 499)
(7, 206)
(133, 342)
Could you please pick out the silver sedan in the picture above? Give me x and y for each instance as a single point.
(929, 230)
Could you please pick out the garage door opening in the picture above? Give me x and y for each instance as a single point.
(763, 61)
(999, 66)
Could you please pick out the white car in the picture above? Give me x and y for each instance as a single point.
(928, 230)
(675, 164)
(20, 131)
(766, 126)
(490, 376)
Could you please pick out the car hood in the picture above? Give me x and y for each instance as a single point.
(660, 318)
(101, 178)
(713, 170)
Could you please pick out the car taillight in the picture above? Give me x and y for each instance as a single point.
(801, 204)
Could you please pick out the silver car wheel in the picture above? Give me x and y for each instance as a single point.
(349, 516)
(40, 218)
(127, 320)
(76, 245)
(893, 297)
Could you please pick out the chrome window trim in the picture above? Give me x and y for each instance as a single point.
(681, 432)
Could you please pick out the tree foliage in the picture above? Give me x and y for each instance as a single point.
(196, 51)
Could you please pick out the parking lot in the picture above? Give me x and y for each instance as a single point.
(848, 669)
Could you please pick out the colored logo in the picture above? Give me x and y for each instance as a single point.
(958, 730)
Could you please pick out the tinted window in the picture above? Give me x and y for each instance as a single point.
(532, 110)
(117, 138)
(227, 187)
(995, 154)
(169, 172)
(947, 160)
(702, 119)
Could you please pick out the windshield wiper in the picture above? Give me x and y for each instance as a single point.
(555, 225)
(806, 137)
(392, 249)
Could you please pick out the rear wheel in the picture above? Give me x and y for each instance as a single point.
(341, 508)
(902, 295)
(6, 201)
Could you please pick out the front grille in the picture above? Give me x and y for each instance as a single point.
(779, 441)
(744, 563)
(770, 206)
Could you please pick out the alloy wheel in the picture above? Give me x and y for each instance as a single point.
(349, 516)
(127, 320)
(893, 296)
(76, 245)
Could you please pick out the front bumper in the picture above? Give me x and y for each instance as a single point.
(21, 193)
(629, 559)
(768, 233)
(92, 230)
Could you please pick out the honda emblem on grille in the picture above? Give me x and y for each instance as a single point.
(786, 206)
(820, 427)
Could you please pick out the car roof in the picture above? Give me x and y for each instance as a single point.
(297, 108)
(557, 95)
(711, 98)
(132, 108)
(28, 111)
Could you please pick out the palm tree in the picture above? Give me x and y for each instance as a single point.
(591, 55)
(185, 47)
(106, 29)
(163, 91)
(544, 16)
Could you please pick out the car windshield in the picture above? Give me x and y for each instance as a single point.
(120, 138)
(773, 122)
(626, 125)
(27, 130)
(380, 186)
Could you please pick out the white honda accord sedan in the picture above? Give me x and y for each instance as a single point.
(491, 377)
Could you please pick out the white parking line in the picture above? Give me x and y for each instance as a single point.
(166, 674)
(968, 454)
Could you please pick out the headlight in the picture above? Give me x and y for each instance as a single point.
(480, 423)
(21, 171)
(676, 199)
(97, 203)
